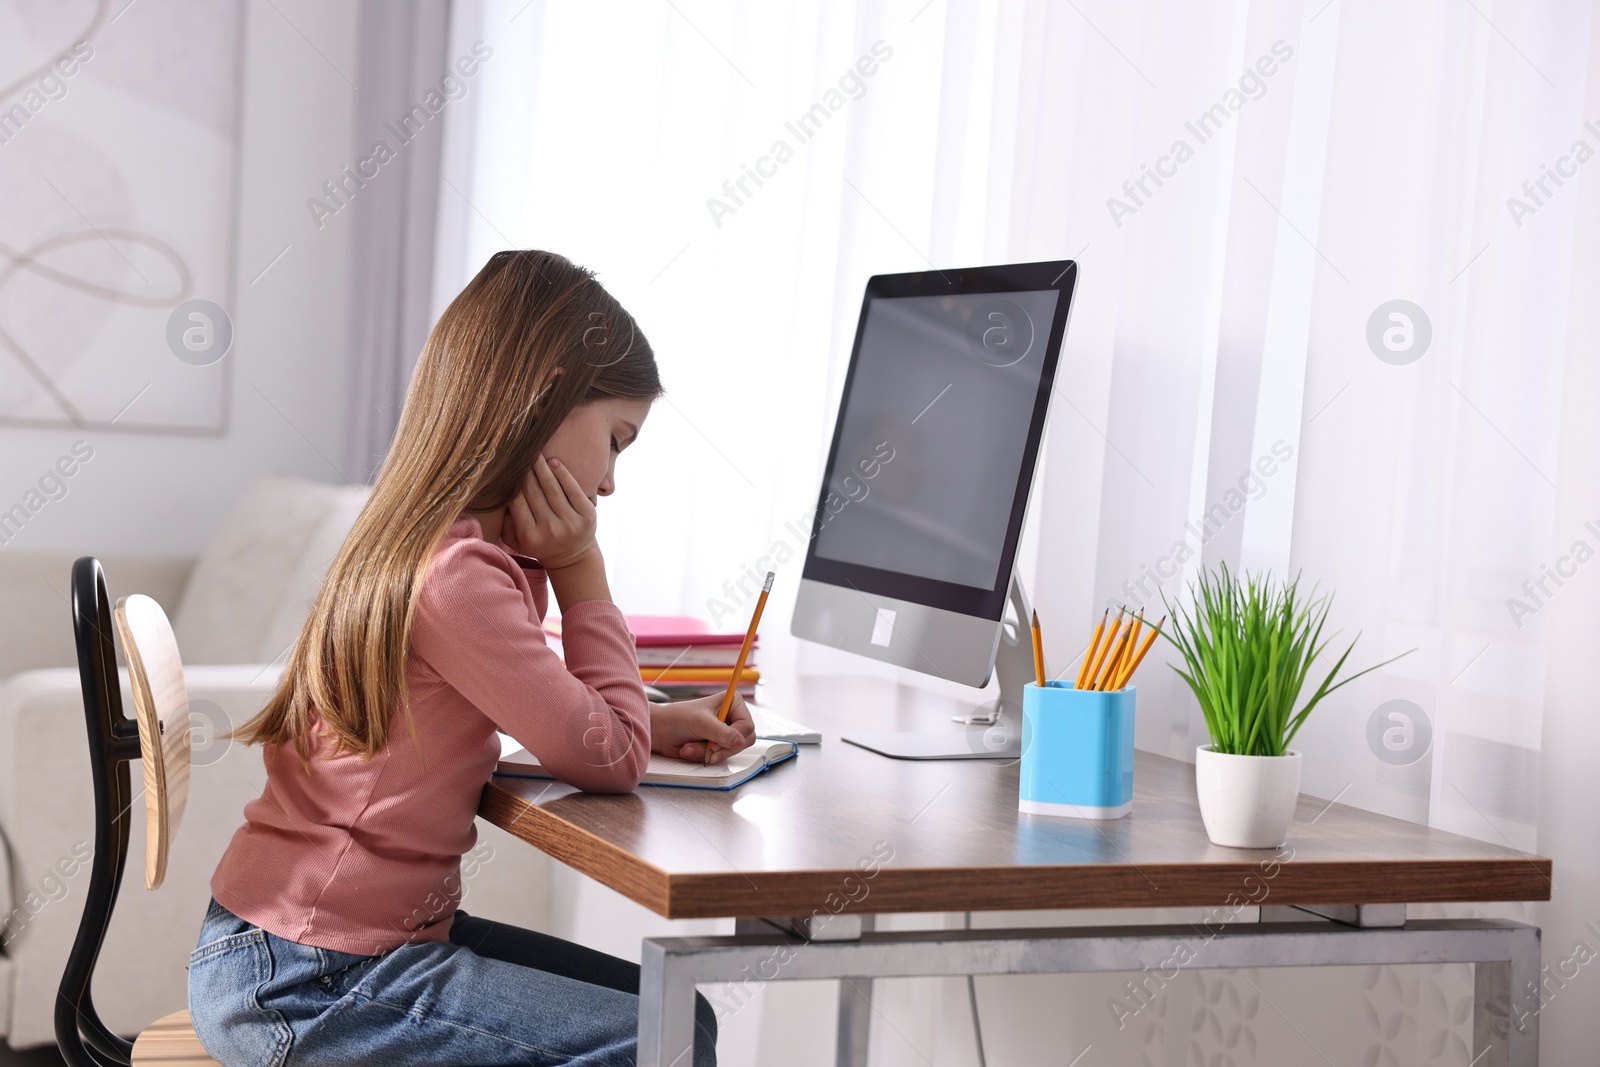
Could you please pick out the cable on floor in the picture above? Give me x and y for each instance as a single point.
(972, 998)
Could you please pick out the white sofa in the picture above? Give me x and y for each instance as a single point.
(235, 609)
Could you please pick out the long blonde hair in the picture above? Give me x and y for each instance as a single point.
(484, 399)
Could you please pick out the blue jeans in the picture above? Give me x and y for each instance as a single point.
(493, 994)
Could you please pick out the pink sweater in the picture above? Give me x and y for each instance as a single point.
(362, 856)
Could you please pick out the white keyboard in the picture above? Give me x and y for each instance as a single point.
(772, 725)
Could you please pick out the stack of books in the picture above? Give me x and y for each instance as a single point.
(683, 657)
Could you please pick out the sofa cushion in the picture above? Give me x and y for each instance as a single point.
(260, 564)
(308, 573)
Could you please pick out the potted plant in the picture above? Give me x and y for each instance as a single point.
(1247, 647)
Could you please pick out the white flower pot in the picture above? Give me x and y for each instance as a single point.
(1246, 801)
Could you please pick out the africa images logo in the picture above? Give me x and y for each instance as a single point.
(1399, 732)
(999, 332)
(1399, 332)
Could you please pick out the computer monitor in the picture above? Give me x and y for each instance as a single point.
(912, 547)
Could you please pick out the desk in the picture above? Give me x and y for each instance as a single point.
(805, 854)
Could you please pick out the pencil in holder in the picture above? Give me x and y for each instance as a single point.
(1077, 752)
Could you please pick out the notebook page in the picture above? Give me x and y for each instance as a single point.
(670, 768)
(732, 767)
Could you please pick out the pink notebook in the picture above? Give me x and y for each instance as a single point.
(656, 631)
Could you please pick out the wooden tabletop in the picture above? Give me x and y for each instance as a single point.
(839, 823)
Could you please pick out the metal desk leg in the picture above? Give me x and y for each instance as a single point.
(855, 993)
(666, 1009)
(855, 1021)
(1505, 1016)
(855, 996)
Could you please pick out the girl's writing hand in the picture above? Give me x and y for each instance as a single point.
(550, 518)
(683, 728)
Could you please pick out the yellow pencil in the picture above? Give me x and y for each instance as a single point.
(1127, 674)
(1100, 657)
(744, 651)
(1038, 653)
(1104, 678)
(1107, 650)
(1127, 652)
(1094, 646)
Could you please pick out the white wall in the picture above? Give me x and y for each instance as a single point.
(168, 493)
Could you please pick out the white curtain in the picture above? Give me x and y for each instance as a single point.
(1250, 189)
(402, 70)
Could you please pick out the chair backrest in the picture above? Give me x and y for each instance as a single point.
(161, 704)
(160, 737)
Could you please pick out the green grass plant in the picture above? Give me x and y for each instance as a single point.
(1248, 645)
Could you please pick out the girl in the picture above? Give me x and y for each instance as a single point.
(332, 935)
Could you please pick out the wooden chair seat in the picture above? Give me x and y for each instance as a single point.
(171, 1042)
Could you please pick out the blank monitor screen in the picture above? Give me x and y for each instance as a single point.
(933, 433)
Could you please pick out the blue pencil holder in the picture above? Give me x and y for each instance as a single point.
(1077, 752)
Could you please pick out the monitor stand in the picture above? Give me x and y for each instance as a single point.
(994, 728)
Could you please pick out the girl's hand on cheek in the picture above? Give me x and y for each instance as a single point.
(551, 518)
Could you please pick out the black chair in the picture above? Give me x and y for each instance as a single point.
(158, 737)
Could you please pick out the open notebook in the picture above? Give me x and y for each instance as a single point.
(737, 769)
